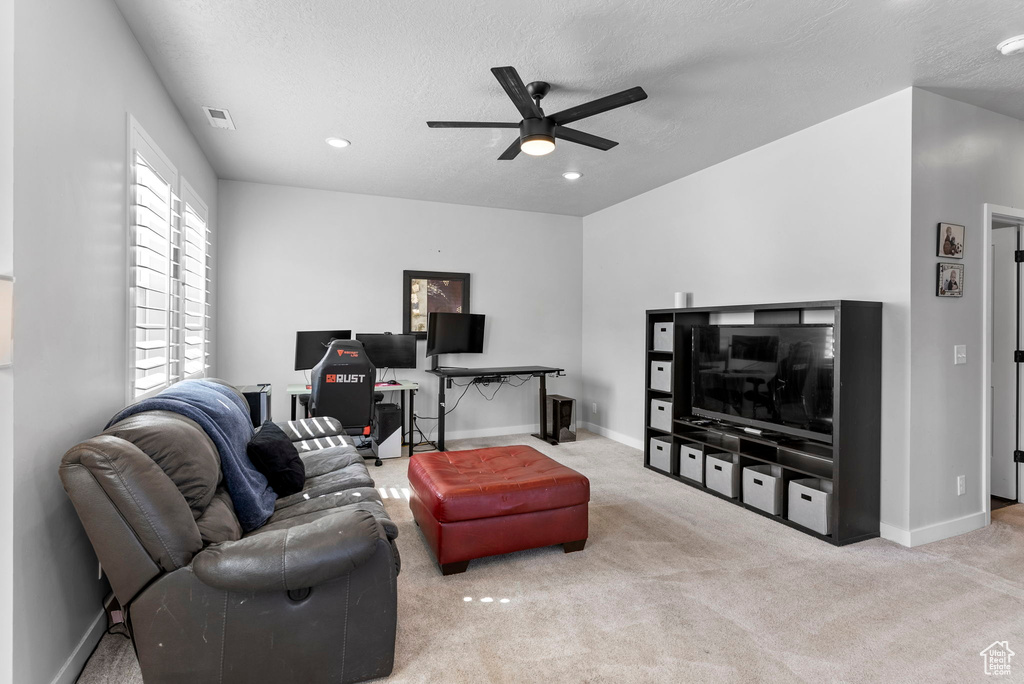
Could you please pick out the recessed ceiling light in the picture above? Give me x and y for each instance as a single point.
(1012, 46)
(338, 142)
(572, 175)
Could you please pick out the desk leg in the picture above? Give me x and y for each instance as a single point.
(402, 403)
(543, 407)
(294, 400)
(543, 434)
(440, 413)
(412, 421)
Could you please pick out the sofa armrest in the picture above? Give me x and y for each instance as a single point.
(294, 558)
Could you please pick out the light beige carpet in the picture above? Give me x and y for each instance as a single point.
(676, 585)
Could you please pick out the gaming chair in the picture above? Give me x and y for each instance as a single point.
(343, 387)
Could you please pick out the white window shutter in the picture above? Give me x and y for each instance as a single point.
(196, 279)
(170, 273)
(152, 211)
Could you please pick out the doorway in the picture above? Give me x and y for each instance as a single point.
(1004, 307)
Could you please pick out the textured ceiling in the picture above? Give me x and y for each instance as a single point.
(723, 77)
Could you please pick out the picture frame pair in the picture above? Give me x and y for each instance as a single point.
(949, 281)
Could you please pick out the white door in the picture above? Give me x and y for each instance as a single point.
(1004, 371)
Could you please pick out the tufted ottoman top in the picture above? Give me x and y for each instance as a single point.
(497, 481)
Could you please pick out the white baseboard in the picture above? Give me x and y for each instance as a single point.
(449, 435)
(933, 533)
(617, 436)
(946, 529)
(68, 674)
(894, 534)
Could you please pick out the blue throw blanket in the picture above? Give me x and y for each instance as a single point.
(225, 418)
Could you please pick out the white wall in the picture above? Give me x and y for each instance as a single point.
(6, 374)
(963, 157)
(78, 72)
(295, 259)
(820, 214)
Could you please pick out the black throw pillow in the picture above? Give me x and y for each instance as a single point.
(276, 457)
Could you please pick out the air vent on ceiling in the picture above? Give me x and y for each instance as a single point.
(219, 118)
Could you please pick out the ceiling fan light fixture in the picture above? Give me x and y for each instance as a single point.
(537, 145)
(537, 130)
(1012, 46)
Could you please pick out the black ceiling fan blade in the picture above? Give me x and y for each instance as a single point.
(509, 79)
(512, 152)
(599, 105)
(572, 135)
(470, 124)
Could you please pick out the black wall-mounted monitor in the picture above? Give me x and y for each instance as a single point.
(389, 351)
(455, 333)
(311, 345)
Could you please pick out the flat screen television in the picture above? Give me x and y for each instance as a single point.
(777, 378)
(311, 345)
(455, 333)
(389, 351)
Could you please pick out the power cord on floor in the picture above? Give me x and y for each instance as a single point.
(424, 435)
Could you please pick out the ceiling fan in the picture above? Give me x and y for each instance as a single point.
(537, 130)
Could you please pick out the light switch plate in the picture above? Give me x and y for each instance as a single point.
(959, 354)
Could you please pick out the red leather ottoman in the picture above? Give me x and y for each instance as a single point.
(486, 502)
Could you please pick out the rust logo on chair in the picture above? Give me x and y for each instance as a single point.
(338, 377)
(353, 354)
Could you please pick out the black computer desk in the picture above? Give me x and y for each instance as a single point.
(445, 375)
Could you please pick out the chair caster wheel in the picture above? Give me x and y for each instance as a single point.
(378, 463)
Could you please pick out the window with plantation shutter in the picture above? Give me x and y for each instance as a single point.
(195, 284)
(169, 272)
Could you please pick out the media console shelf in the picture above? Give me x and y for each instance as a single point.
(851, 463)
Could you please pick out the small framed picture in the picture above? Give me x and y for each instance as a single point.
(951, 280)
(951, 241)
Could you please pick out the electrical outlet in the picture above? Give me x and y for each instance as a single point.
(961, 485)
(593, 408)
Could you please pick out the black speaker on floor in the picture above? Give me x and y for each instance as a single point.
(561, 425)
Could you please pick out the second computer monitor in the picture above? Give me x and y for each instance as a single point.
(311, 345)
(389, 351)
(455, 333)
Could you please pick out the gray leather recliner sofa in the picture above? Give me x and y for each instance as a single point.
(308, 597)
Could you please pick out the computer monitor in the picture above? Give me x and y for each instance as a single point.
(311, 345)
(455, 333)
(389, 351)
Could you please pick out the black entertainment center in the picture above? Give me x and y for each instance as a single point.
(788, 395)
